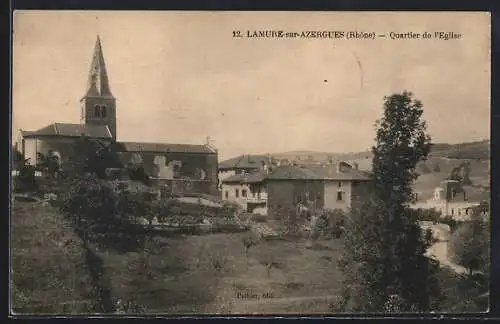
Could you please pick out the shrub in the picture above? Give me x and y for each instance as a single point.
(330, 223)
(25, 180)
(94, 201)
(448, 220)
(469, 245)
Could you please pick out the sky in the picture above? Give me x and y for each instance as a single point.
(180, 76)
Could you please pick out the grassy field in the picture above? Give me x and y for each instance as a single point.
(182, 274)
(49, 273)
(186, 274)
(212, 274)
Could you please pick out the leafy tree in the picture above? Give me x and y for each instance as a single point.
(469, 244)
(384, 253)
(93, 156)
(49, 164)
(93, 205)
(329, 223)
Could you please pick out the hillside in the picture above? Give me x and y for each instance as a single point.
(50, 273)
(470, 150)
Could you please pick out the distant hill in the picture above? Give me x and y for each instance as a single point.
(471, 150)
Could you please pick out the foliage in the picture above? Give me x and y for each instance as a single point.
(469, 244)
(26, 180)
(289, 219)
(48, 267)
(462, 293)
(92, 156)
(248, 242)
(92, 205)
(329, 223)
(450, 221)
(384, 247)
(431, 215)
(49, 164)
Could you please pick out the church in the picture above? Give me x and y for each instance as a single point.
(193, 164)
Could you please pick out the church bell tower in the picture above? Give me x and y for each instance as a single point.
(98, 104)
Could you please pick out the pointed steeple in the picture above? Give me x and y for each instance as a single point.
(98, 82)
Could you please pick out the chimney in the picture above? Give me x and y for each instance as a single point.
(339, 167)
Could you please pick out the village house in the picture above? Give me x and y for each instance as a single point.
(195, 165)
(243, 164)
(455, 200)
(335, 186)
(246, 189)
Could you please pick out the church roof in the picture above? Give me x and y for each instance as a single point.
(70, 130)
(98, 82)
(164, 148)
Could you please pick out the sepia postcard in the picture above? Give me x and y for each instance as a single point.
(239, 163)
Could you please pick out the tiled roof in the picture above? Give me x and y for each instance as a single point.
(71, 130)
(254, 177)
(245, 162)
(316, 173)
(292, 173)
(163, 147)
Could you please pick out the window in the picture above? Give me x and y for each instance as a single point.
(237, 193)
(452, 211)
(340, 184)
(227, 194)
(458, 210)
(243, 193)
(340, 196)
(466, 212)
(100, 111)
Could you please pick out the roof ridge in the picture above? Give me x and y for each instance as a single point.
(239, 160)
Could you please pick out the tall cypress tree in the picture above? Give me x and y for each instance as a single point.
(384, 251)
